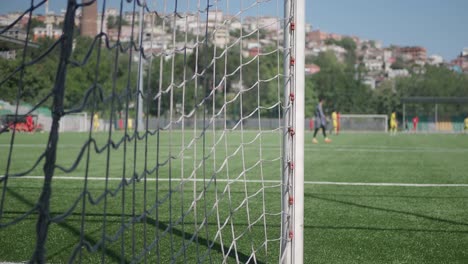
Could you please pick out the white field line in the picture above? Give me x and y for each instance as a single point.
(337, 148)
(393, 150)
(391, 184)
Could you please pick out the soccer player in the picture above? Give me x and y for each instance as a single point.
(96, 121)
(338, 118)
(320, 122)
(29, 123)
(335, 122)
(415, 123)
(393, 123)
(466, 125)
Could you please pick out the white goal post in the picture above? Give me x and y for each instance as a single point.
(77, 122)
(207, 162)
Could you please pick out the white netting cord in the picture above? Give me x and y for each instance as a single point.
(182, 116)
(261, 146)
(220, 201)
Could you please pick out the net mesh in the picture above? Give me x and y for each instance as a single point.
(182, 158)
(363, 123)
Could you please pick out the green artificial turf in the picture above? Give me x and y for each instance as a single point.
(343, 223)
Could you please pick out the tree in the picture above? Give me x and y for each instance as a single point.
(9, 91)
(340, 85)
(35, 23)
(37, 79)
(349, 45)
(113, 22)
(398, 64)
(385, 99)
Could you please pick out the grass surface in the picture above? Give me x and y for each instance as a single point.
(342, 224)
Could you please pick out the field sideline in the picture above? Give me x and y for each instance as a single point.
(369, 198)
(71, 178)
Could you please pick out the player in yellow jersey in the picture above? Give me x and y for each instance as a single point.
(335, 122)
(96, 121)
(466, 125)
(393, 123)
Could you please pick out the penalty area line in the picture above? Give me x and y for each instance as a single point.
(389, 184)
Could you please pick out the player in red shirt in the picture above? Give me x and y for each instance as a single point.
(29, 123)
(415, 123)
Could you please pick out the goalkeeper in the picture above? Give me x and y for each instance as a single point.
(320, 122)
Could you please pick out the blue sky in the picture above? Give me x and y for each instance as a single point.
(439, 25)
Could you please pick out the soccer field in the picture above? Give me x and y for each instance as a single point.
(369, 198)
(410, 208)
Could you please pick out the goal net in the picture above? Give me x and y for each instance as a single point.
(78, 122)
(363, 123)
(198, 155)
